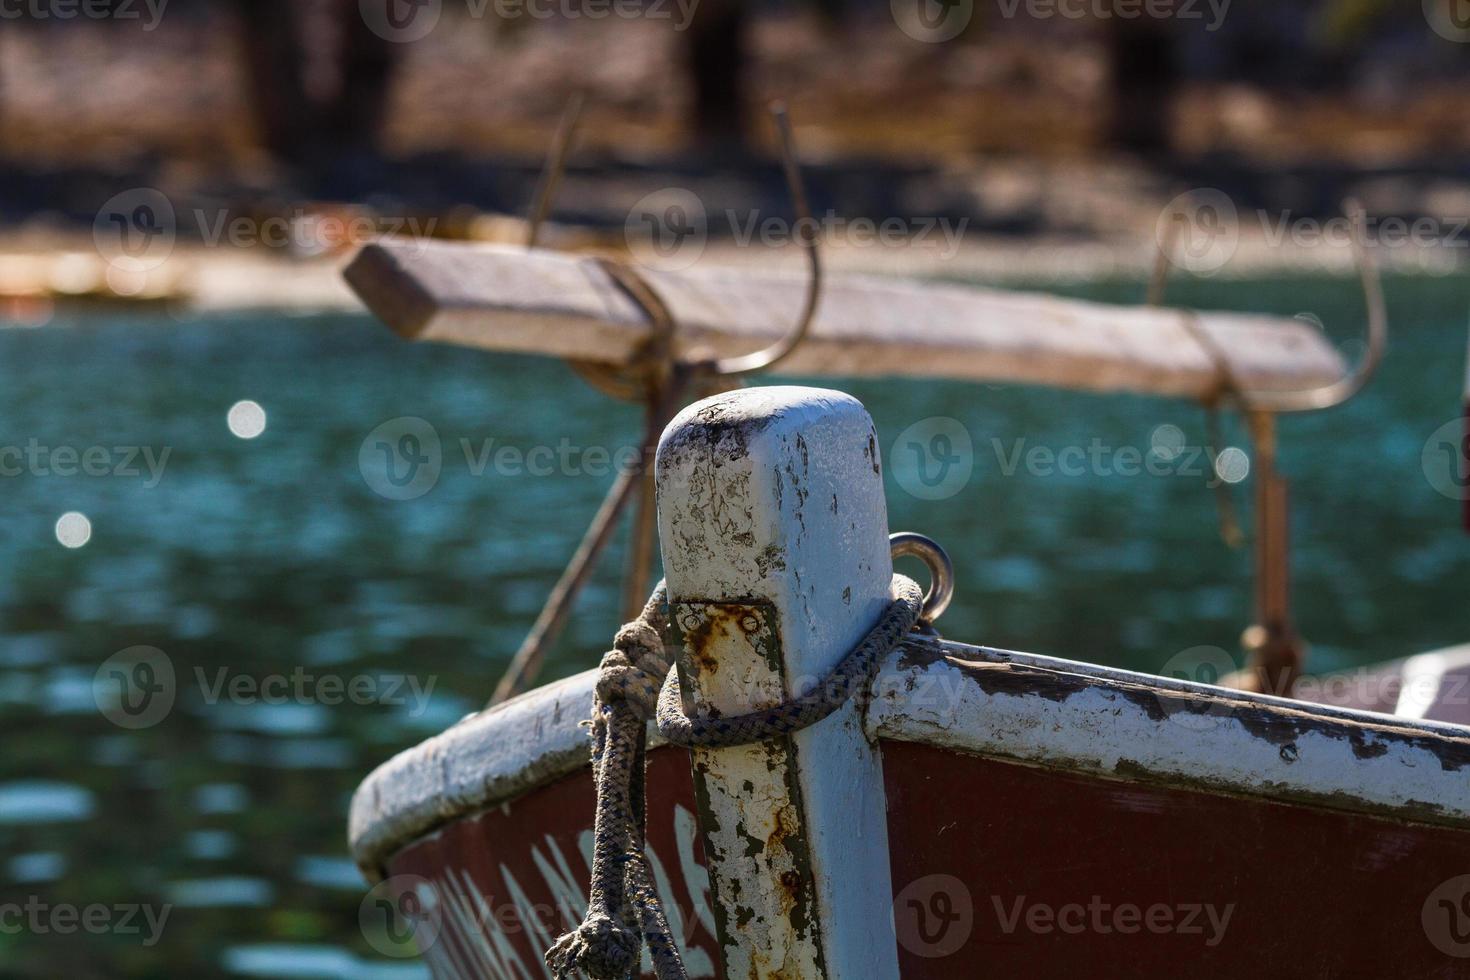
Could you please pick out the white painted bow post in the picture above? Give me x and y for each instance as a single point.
(774, 533)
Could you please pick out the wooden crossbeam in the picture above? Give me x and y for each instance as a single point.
(563, 305)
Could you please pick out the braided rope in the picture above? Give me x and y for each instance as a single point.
(635, 683)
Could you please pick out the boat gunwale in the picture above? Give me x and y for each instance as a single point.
(492, 757)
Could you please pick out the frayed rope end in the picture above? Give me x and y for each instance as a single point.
(602, 947)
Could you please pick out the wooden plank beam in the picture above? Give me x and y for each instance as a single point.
(562, 305)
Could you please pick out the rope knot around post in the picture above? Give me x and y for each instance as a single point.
(635, 677)
(634, 670)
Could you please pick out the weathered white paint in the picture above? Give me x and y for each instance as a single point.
(535, 739)
(775, 540)
(561, 305)
(486, 758)
(1121, 725)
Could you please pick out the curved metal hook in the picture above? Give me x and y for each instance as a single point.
(556, 163)
(768, 358)
(936, 560)
(1353, 382)
(1158, 282)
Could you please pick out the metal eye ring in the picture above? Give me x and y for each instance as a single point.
(941, 571)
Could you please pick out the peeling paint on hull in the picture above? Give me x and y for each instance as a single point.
(1313, 892)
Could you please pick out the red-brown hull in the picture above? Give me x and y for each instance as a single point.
(517, 858)
(1302, 892)
(1016, 870)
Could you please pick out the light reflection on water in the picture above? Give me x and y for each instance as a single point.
(265, 556)
(25, 869)
(209, 893)
(44, 802)
(314, 963)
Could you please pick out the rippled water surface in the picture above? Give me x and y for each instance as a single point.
(313, 626)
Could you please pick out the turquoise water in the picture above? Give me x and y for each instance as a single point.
(266, 570)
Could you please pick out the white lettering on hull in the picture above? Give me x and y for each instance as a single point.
(474, 940)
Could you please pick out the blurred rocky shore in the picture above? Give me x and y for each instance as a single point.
(995, 134)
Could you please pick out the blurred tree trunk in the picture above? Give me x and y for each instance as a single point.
(718, 54)
(368, 64)
(1144, 83)
(274, 66)
(296, 125)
